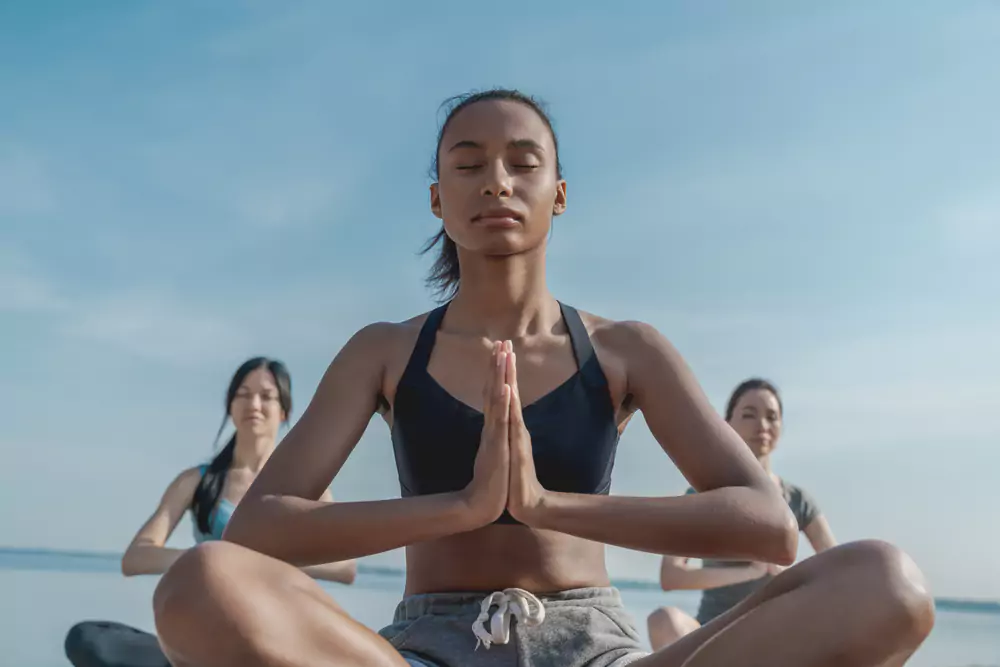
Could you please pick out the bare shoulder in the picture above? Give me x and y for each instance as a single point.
(378, 344)
(635, 351)
(182, 487)
(381, 351)
(398, 343)
(625, 339)
(188, 477)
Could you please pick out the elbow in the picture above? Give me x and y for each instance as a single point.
(129, 565)
(239, 528)
(783, 537)
(776, 533)
(350, 572)
(671, 575)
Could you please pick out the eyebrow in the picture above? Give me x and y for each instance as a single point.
(530, 144)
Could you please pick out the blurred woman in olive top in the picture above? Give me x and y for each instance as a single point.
(755, 413)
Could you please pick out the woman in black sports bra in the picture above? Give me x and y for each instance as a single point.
(505, 408)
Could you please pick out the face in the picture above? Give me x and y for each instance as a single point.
(757, 419)
(497, 186)
(256, 407)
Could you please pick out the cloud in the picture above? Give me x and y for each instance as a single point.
(25, 185)
(902, 386)
(972, 226)
(287, 204)
(23, 288)
(157, 325)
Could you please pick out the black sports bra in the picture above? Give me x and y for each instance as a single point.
(574, 436)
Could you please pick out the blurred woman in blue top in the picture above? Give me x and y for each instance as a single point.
(259, 401)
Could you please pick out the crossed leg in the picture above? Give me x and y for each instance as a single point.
(668, 624)
(862, 604)
(222, 605)
(858, 605)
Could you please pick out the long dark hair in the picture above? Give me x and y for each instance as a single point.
(206, 496)
(444, 274)
(750, 385)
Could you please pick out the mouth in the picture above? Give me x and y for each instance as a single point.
(499, 217)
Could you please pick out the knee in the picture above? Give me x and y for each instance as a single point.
(667, 617)
(890, 582)
(190, 581)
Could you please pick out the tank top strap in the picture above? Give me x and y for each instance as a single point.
(421, 354)
(583, 349)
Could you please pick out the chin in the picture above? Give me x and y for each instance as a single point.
(258, 428)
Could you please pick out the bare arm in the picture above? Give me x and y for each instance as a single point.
(281, 514)
(820, 535)
(343, 572)
(677, 574)
(147, 554)
(738, 512)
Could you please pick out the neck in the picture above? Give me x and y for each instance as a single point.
(252, 451)
(504, 297)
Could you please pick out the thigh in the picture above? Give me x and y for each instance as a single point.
(861, 604)
(222, 604)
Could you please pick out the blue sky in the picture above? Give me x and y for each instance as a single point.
(805, 192)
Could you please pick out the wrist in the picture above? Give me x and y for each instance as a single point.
(538, 513)
(472, 512)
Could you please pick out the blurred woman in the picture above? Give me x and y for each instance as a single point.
(259, 402)
(755, 413)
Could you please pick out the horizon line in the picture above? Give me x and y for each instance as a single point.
(980, 605)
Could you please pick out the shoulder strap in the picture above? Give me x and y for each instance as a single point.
(586, 360)
(582, 347)
(421, 354)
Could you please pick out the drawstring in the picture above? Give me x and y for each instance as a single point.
(524, 606)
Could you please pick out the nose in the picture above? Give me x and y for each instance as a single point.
(497, 181)
(255, 402)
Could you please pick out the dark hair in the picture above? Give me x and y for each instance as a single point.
(206, 495)
(444, 275)
(750, 385)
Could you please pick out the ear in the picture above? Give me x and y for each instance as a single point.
(436, 200)
(559, 205)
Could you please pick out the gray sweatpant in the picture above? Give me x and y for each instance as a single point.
(586, 626)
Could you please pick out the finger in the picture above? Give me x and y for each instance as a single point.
(508, 348)
(490, 386)
(512, 371)
(496, 394)
(516, 418)
(501, 418)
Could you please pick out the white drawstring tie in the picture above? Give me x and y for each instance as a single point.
(524, 606)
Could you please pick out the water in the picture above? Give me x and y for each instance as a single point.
(42, 595)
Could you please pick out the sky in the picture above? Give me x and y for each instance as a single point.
(808, 192)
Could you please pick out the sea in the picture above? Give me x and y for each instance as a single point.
(44, 592)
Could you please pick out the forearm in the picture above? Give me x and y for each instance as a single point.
(700, 579)
(149, 559)
(738, 523)
(308, 532)
(343, 572)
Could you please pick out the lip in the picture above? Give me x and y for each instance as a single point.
(498, 217)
